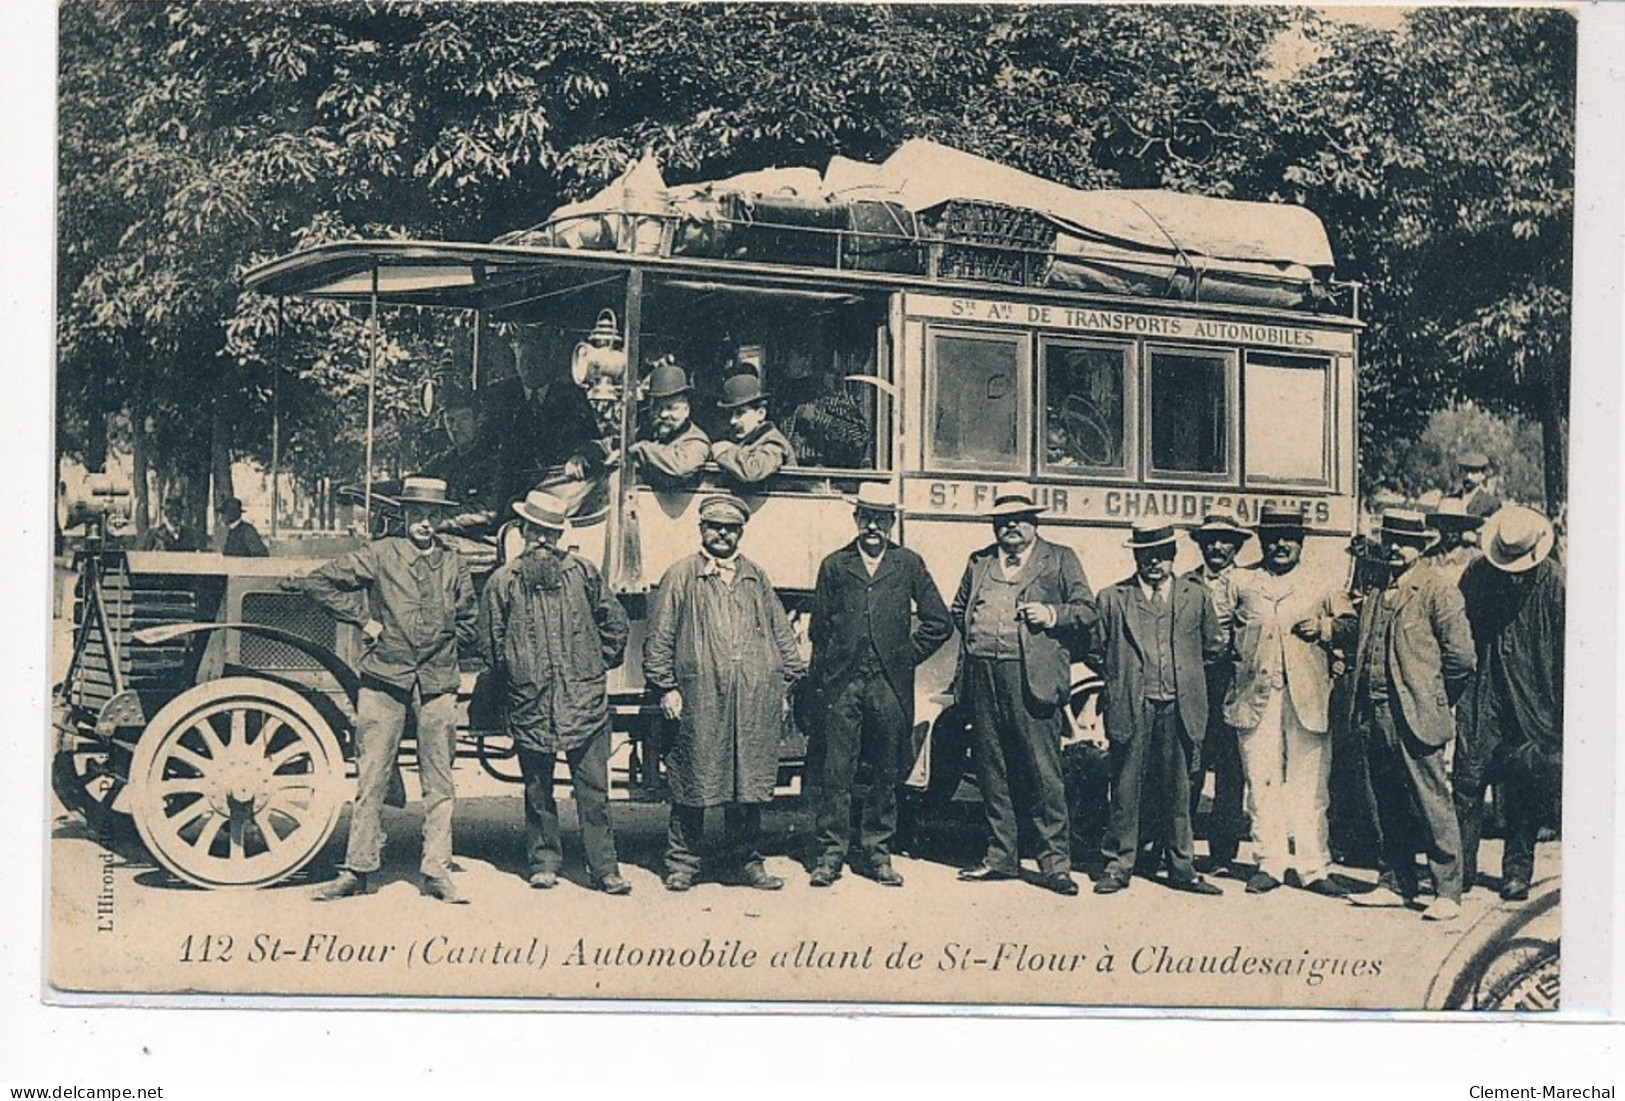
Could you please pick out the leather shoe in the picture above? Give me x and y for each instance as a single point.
(756, 877)
(1515, 890)
(1262, 883)
(544, 881)
(1380, 896)
(347, 883)
(1327, 886)
(613, 884)
(441, 888)
(981, 873)
(1442, 909)
(883, 874)
(679, 881)
(1061, 883)
(1195, 886)
(824, 875)
(1111, 883)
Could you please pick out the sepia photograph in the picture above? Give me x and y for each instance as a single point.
(887, 505)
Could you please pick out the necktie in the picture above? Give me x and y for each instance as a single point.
(1012, 560)
(1157, 591)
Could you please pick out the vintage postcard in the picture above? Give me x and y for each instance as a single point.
(996, 506)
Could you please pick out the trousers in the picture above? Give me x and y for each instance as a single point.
(1528, 787)
(864, 725)
(589, 782)
(380, 719)
(741, 837)
(1221, 755)
(1018, 754)
(1289, 771)
(1412, 797)
(1151, 776)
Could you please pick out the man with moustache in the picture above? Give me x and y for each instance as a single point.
(1279, 705)
(1018, 604)
(865, 650)
(1473, 470)
(413, 599)
(1156, 635)
(671, 457)
(553, 630)
(721, 654)
(1220, 538)
(758, 450)
(1413, 657)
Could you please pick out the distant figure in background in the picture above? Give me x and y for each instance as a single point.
(675, 449)
(169, 534)
(469, 470)
(242, 538)
(1458, 538)
(1509, 722)
(1472, 473)
(758, 450)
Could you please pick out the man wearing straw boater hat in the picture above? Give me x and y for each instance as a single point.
(721, 655)
(1412, 659)
(534, 631)
(757, 449)
(866, 645)
(1220, 538)
(676, 448)
(412, 597)
(1280, 702)
(1156, 636)
(1509, 722)
(1019, 603)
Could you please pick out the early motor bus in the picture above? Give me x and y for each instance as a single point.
(1134, 355)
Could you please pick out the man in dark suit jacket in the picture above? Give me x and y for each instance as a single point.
(864, 654)
(1018, 603)
(1157, 633)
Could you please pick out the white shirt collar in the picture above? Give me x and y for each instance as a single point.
(1021, 559)
(871, 563)
(1151, 593)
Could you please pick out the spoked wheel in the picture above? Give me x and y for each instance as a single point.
(237, 783)
(90, 781)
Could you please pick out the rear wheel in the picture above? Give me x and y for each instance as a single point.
(238, 782)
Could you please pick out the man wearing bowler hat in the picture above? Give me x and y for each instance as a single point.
(757, 449)
(722, 656)
(1509, 722)
(552, 630)
(1413, 657)
(1019, 603)
(1157, 634)
(1458, 537)
(412, 598)
(1220, 538)
(865, 648)
(1279, 705)
(676, 449)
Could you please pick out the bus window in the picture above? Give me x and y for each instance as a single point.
(1190, 413)
(1287, 419)
(977, 398)
(1085, 397)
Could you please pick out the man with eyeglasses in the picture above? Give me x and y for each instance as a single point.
(721, 655)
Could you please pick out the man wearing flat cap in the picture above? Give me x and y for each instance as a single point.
(1509, 721)
(1279, 705)
(1019, 604)
(1412, 659)
(722, 656)
(552, 631)
(866, 645)
(1156, 636)
(412, 598)
(757, 449)
(1473, 472)
(1220, 538)
(672, 455)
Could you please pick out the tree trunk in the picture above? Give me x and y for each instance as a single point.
(219, 465)
(139, 469)
(1554, 439)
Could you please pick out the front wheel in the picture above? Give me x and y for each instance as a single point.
(238, 782)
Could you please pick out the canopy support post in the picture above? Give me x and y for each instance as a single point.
(624, 551)
(276, 418)
(372, 395)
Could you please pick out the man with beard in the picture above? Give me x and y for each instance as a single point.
(721, 655)
(1220, 538)
(864, 655)
(1279, 705)
(534, 619)
(413, 599)
(1509, 723)
(1156, 635)
(1413, 657)
(1017, 605)
(672, 458)
(757, 449)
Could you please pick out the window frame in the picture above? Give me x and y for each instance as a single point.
(1021, 341)
(1130, 469)
(1329, 421)
(1231, 358)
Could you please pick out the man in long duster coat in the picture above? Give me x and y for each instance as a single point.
(721, 653)
(553, 631)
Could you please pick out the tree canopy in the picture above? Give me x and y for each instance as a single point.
(198, 137)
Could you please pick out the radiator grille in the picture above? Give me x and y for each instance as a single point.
(295, 613)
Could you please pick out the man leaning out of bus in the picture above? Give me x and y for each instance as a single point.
(413, 599)
(757, 449)
(676, 448)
